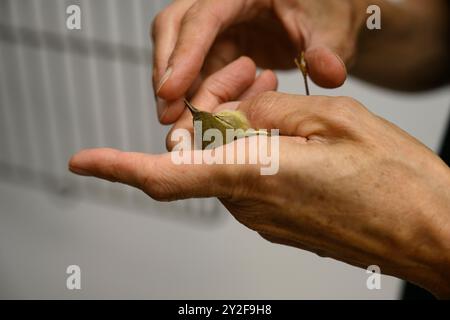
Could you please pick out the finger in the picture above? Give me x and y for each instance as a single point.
(225, 85)
(330, 46)
(164, 34)
(199, 28)
(325, 67)
(170, 111)
(327, 52)
(159, 176)
(266, 81)
(293, 115)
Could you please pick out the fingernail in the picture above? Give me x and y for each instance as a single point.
(164, 79)
(340, 60)
(161, 107)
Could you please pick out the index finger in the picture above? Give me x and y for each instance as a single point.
(199, 28)
(164, 35)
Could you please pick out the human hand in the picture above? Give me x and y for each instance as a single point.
(350, 186)
(224, 89)
(195, 38)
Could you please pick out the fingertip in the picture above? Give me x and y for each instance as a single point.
(83, 162)
(270, 78)
(325, 67)
(265, 81)
(75, 168)
(165, 77)
(247, 62)
(76, 163)
(169, 112)
(184, 66)
(242, 71)
(174, 87)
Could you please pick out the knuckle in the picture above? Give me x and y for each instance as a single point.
(163, 17)
(202, 9)
(156, 24)
(343, 110)
(217, 88)
(156, 187)
(267, 96)
(191, 15)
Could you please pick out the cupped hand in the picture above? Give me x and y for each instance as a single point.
(195, 38)
(350, 186)
(223, 89)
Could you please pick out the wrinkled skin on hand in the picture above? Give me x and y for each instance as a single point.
(351, 186)
(195, 38)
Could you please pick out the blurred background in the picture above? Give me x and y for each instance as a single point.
(63, 90)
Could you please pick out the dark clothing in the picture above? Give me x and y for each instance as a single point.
(445, 151)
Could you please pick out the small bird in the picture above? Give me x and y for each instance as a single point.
(223, 120)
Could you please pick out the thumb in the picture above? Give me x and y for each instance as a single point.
(328, 51)
(156, 175)
(325, 67)
(293, 115)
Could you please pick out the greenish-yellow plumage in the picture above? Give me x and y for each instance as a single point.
(223, 120)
